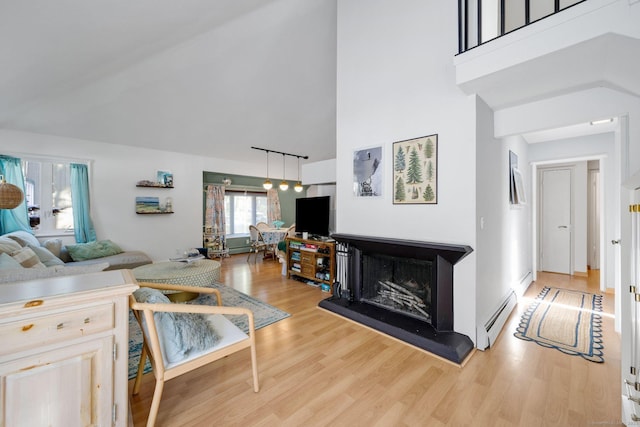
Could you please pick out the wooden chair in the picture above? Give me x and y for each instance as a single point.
(257, 242)
(262, 225)
(231, 339)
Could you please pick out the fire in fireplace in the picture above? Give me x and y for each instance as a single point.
(403, 288)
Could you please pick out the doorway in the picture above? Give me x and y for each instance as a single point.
(569, 194)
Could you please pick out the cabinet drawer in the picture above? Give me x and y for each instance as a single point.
(47, 329)
(308, 270)
(307, 258)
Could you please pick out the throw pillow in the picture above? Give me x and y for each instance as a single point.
(8, 245)
(180, 334)
(93, 250)
(45, 256)
(24, 238)
(8, 263)
(54, 246)
(27, 258)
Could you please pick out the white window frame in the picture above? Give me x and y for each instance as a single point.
(254, 195)
(47, 220)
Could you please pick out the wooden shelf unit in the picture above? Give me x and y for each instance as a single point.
(312, 259)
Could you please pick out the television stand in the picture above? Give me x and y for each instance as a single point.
(312, 259)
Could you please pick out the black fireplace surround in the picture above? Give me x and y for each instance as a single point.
(405, 270)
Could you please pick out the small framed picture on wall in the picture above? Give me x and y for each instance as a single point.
(367, 172)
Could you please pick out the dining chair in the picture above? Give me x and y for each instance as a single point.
(257, 242)
(178, 338)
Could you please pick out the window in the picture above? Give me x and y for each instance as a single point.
(48, 196)
(242, 209)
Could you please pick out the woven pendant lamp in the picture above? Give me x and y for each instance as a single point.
(10, 195)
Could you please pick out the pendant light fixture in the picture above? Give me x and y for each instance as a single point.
(298, 187)
(267, 185)
(10, 195)
(284, 185)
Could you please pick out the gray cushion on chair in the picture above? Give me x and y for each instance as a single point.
(180, 334)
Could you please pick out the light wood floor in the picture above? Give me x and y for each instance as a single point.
(318, 369)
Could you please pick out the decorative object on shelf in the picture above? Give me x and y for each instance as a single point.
(165, 178)
(284, 185)
(168, 204)
(151, 205)
(226, 181)
(10, 195)
(367, 172)
(415, 171)
(153, 184)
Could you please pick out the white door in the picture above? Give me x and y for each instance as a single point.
(556, 221)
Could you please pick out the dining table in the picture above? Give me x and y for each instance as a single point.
(272, 236)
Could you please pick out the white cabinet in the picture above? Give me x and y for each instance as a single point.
(63, 358)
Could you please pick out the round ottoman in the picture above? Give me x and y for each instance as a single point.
(199, 273)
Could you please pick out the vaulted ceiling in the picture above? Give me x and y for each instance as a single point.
(194, 76)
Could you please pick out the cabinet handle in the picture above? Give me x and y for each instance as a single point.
(87, 320)
(25, 328)
(34, 303)
(60, 326)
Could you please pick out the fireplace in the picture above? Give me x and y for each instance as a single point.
(403, 288)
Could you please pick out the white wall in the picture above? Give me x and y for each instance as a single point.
(115, 169)
(396, 82)
(503, 230)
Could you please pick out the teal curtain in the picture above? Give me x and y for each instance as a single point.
(18, 218)
(82, 224)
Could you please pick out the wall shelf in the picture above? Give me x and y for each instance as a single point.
(153, 213)
(154, 186)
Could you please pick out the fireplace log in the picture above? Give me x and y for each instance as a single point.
(403, 297)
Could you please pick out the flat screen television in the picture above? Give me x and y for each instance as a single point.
(312, 215)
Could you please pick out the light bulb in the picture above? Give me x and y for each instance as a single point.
(298, 187)
(267, 185)
(284, 185)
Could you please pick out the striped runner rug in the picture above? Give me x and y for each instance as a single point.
(566, 320)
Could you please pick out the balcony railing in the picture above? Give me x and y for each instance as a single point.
(480, 21)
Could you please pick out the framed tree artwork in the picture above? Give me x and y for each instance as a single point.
(415, 171)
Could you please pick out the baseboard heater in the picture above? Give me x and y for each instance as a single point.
(487, 333)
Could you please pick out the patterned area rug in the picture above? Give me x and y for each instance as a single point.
(566, 320)
(263, 314)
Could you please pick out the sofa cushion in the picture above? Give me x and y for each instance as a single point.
(127, 259)
(24, 238)
(93, 250)
(23, 274)
(45, 256)
(7, 263)
(8, 245)
(27, 258)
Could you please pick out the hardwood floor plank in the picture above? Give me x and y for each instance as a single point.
(318, 369)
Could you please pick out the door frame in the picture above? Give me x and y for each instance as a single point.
(540, 229)
(535, 214)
